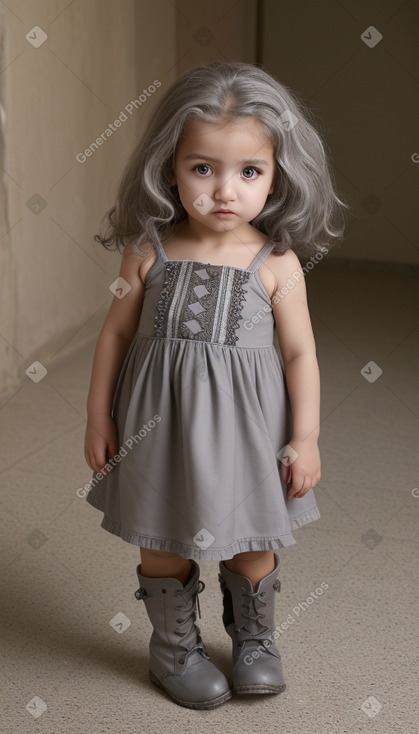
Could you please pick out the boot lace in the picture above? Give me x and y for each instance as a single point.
(190, 609)
(252, 603)
(192, 632)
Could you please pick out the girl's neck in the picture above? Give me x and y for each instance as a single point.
(192, 234)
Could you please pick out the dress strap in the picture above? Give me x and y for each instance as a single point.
(160, 251)
(262, 255)
(257, 262)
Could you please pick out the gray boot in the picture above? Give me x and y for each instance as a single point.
(248, 618)
(179, 662)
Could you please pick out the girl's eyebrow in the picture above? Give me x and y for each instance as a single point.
(245, 162)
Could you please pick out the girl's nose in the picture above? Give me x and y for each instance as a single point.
(226, 190)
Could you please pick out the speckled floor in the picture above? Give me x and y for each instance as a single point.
(350, 656)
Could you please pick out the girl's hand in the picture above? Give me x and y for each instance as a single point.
(303, 472)
(101, 441)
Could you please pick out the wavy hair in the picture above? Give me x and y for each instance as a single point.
(303, 213)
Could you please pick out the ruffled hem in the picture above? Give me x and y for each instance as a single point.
(209, 554)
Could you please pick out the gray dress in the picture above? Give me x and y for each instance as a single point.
(202, 410)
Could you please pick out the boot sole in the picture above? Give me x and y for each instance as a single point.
(191, 704)
(243, 690)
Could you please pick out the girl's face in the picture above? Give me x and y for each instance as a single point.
(224, 166)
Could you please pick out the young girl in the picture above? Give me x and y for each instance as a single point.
(202, 432)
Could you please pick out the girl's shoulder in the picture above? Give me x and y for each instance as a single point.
(284, 261)
(140, 260)
(147, 260)
(278, 268)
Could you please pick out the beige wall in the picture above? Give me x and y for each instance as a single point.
(366, 100)
(58, 98)
(222, 29)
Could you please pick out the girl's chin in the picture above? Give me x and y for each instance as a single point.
(217, 224)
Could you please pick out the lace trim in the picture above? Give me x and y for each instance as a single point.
(201, 303)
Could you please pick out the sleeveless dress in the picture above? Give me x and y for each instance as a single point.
(202, 411)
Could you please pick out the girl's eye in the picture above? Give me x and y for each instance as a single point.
(249, 172)
(202, 168)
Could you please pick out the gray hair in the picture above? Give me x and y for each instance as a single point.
(303, 210)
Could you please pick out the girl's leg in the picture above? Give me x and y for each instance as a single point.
(255, 565)
(161, 564)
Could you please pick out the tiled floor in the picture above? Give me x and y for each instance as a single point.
(350, 657)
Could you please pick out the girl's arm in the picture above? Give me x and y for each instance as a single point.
(298, 349)
(116, 335)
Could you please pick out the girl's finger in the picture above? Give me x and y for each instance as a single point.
(308, 484)
(296, 486)
(284, 473)
(100, 460)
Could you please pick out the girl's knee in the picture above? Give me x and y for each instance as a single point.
(162, 564)
(151, 553)
(255, 556)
